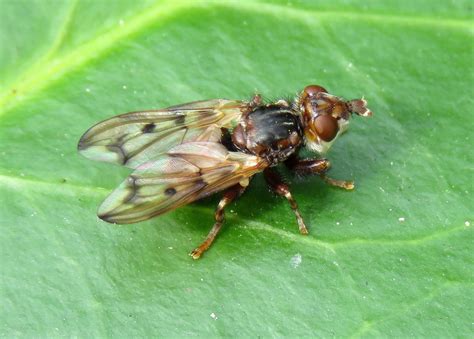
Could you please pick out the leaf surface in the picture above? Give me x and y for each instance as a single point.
(393, 258)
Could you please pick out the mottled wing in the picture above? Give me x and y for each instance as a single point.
(134, 138)
(184, 174)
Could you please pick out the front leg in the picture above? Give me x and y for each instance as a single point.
(318, 167)
(279, 187)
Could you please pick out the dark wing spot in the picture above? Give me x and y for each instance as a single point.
(180, 119)
(200, 182)
(119, 150)
(170, 191)
(148, 128)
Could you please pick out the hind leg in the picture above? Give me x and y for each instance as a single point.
(230, 195)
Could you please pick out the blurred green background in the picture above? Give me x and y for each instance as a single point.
(393, 258)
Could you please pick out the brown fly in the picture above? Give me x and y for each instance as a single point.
(186, 152)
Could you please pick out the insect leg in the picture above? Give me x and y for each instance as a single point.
(346, 184)
(279, 187)
(256, 101)
(318, 167)
(230, 195)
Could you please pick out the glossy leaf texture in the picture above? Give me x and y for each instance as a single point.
(392, 258)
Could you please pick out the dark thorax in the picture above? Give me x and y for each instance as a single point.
(273, 132)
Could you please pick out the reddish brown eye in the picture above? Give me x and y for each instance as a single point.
(308, 99)
(326, 127)
(312, 90)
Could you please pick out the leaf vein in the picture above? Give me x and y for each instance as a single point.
(369, 325)
(332, 246)
(54, 68)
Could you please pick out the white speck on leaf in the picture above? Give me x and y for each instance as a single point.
(170, 247)
(296, 260)
(467, 223)
(88, 90)
(401, 219)
(124, 86)
(213, 316)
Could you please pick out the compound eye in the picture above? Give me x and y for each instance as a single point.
(312, 90)
(326, 127)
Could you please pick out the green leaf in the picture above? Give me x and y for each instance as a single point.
(393, 258)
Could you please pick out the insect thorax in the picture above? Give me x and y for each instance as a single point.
(272, 132)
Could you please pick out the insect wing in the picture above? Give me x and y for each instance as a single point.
(134, 138)
(184, 174)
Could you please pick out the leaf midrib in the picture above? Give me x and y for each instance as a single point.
(328, 245)
(49, 69)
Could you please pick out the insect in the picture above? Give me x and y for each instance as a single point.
(184, 153)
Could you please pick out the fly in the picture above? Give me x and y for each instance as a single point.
(186, 152)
